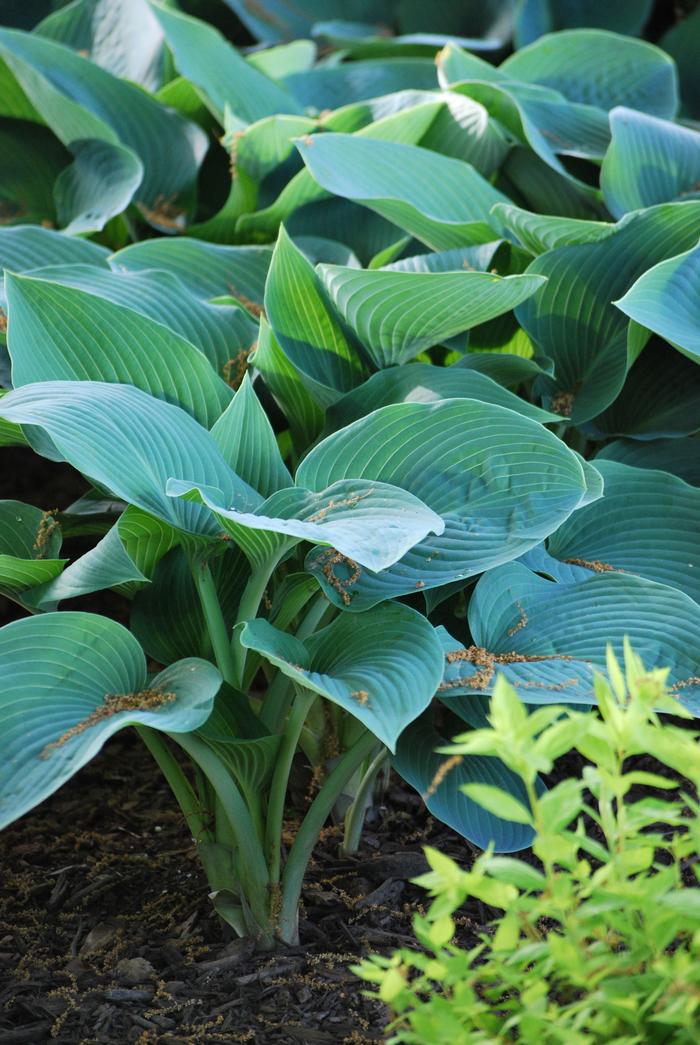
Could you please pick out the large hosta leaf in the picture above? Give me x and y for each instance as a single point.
(288, 387)
(646, 524)
(382, 667)
(30, 542)
(221, 332)
(398, 314)
(680, 457)
(539, 233)
(548, 637)
(536, 17)
(29, 247)
(666, 299)
(572, 318)
(124, 38)
(419, 763)
(308, 330)
(497, 479)
(206, 58)
(423, 383)
(208, 270)
(68, 682)
(330, 86)
(130, 443)
(371, 523)
(599, 68)
(649, 161)
(442, 201)
(98, 185)
(78, 100)
(61, 333)
(247, 440)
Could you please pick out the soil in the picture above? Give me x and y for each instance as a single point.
(107, 933)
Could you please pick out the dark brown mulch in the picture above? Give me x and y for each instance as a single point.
(107, 934)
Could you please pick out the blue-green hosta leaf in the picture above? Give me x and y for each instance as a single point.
(442, 201)
(545, 121)
(209, 61)
(539, 233)
(372, 523)
(279, 20)
(166, 615)
(208, 270)
(477, 258)
(130, 443)
(78, 100)
(61, 333)
(599, 68)
(306, 327)
(224, 333)
(646, 524)
(328, 86)
(680, 457)
(247, 441)
(423, 383)
(418, 762)
(29, 247)
(124, 38)
(32, 160)
(382, 667)
(681, 43)
(287, 385)
(649, 161)
(659, 397)
(396, 315)
(30, 542)
(500, 481)
(536, 17)
(284, 59)
(98, 185)
(547, 637)
(71, 680)
(666, 299)
(572, 319)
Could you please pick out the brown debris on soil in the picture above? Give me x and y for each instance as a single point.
(234, 370)
(107, 933)
(562, 404)
(252, 306)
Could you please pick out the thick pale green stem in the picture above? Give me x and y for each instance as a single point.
(214, 619)
(251, 859)
(308, 833)
(355, 816)
(179, 784)
(280, 781)
(247, 610)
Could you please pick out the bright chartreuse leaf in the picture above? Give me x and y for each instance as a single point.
(572, 319)
(78, 100)
(423, 383)
(666, 299)
(680, 457)
(305, 325)
(224, 333)
(98, 185)
(500, 481)
(548, 637)
(646, 524)
(649, 161)
(60, 333)
(383, 667)
(371, 523)
(71, 680)
(442, 201)
(130, 443)
(208, 270)
(30, 542)
(209, 61)
(396, 315)
(600, 68)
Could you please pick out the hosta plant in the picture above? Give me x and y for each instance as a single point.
(379, 362)
(597, 941)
